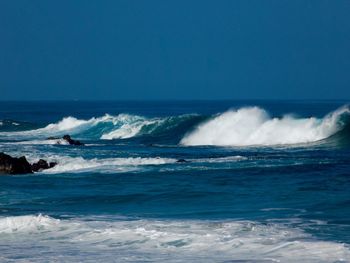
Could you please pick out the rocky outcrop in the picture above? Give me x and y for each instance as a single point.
(42, 165)
(12, 165)
(53, 138)
(71, 141)
(182, 161)
(66, 139)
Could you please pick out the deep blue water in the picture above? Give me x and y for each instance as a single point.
(264, 183)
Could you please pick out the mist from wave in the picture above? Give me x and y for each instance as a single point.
(254, 126)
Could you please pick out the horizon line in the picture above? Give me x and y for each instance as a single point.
(164, 100)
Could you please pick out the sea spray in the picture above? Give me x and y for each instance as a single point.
(253, 126)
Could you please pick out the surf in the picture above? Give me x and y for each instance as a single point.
(246, 126)
(75, 239)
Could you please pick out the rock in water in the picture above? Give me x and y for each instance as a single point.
(42, 165)
(71, 141)
(52, 164)
(66, 139)
(53, 138)
(12, 165)
(182, 161)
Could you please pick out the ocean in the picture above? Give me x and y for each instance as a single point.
(257, 181)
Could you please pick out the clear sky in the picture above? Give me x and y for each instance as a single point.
(174, 49)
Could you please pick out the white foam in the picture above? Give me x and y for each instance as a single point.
(41, 142)
(26, 223)
(226, 159)
(253, 126)
(31, 237)
(79, 164)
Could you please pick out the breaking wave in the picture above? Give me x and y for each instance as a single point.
(253, 126)
(108, 127)
(243, 127)
(76, 240)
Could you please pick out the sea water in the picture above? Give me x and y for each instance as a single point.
(260, 181)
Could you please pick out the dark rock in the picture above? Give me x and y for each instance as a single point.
(182, 161)
(53, 138)
(42, 165)
(67, 138)
(71, 141)
(12, 165)
(52, 164)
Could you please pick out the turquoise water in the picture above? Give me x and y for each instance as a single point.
(263, 181)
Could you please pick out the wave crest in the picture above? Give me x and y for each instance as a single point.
(254, 126)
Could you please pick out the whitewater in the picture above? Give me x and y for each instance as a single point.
(254, 126)
(171, 241)
(178, 182)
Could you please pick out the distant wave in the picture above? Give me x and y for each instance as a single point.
(253, 126)
(11, 125)
(76, 239)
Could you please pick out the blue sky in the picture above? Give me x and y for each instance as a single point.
(137, 49)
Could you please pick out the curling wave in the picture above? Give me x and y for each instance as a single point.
(254, 126)
(108, 127)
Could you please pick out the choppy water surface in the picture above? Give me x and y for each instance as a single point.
(262, 181)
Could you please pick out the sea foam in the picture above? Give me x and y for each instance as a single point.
(79, 164)
(161, 240)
